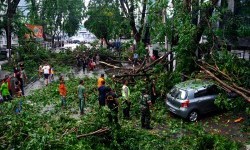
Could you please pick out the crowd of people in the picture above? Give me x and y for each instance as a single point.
(108, 97)
(13, 86)
(87, 62)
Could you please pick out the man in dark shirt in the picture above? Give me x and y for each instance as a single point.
(153, 91)
(102, 94)
(111, 100)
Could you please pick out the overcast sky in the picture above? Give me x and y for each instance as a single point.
(22, 3)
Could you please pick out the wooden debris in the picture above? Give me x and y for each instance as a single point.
(100, 131)
(228, 85)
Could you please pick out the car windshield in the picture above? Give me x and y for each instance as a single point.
(178, 93)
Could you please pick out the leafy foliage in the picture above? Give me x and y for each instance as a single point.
(105, 20)
(57, 16)
(42, 124)
(33, 55)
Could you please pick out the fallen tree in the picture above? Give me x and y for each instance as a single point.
(225, 81)
(137, 71)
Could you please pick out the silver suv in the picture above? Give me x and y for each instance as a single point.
(192, 98)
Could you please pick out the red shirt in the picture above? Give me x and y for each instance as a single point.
(9, 86)
(62, 90)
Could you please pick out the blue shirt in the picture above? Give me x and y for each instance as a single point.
(102, 93)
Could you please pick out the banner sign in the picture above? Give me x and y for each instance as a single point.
(37, 32)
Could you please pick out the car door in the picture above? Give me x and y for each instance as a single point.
(212, 92)
(202, 100)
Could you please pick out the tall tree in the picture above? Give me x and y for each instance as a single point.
(135, 12)
(105, 19)
(11, 8)
(57, 16)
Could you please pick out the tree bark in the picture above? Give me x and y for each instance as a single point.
(128, 9)
(11, 11)
(226, 85)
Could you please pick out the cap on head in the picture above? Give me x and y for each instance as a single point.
(102, 75)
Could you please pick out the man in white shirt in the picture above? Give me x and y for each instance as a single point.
(46, 72)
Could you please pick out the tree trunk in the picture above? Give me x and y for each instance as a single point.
(8, 33)
(53, 41)
(195, 10)
(11, 10)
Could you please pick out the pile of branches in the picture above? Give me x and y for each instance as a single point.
(224, 80)
(120, 73)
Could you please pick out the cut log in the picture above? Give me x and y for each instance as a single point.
(142, 65)
(145, 70)
(241, 88)
(225, 76)
(216, 69)
(109, 65)
(156, 61)
(118, 61)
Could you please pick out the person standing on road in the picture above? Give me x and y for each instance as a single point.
(91, 64)
(84, 63)
(16, 71)
(52, 72)
(111, 101)
(102, 94)
(135, 58)
(8, 79)
(19, 76)
(18, 91)
(153, 91)
(99, 81)
(23, 79)
(5, 91)
(97, 59)
(46, 69)
(145, 109)
(126, 101)
(81, 95)
(40, 71)
(63, 93)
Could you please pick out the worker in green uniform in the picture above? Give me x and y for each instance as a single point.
(81, 96)
(145, 109)
(5, 90)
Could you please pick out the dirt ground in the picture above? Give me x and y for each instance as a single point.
(224, 124)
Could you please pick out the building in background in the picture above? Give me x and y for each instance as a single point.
(83, 35)
(3, 40)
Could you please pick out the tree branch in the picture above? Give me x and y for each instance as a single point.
(225, 85)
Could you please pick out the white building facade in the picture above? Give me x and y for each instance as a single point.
(3, 40)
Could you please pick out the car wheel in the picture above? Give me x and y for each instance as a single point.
(193, 116)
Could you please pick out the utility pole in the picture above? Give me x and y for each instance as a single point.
(8, 32)
(164, 22)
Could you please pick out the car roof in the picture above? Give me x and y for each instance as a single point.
(196, 84)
